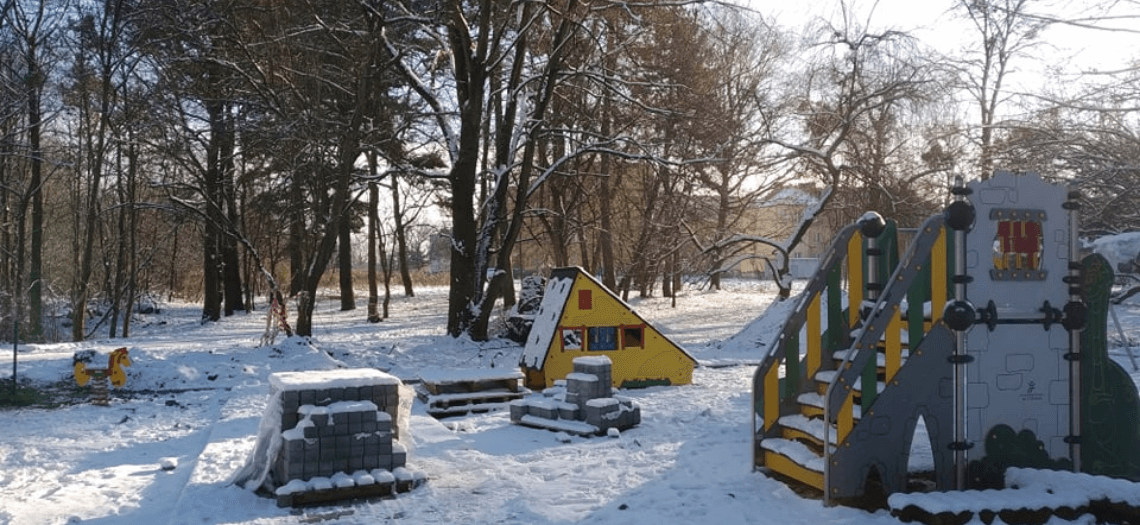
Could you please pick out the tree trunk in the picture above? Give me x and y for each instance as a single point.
(296, 235)
(484, 303)
(344, 256)
(386, 270)
(231, 261)
(211, 246)
(35, 270)
(605, 235)
(132, 239)
(465, 269)
(373, 234)
(401, 238)
(118, 277)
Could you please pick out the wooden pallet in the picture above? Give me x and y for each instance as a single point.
(444, 405)
(452, 393)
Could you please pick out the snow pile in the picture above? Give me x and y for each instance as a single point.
(1031, 491)
(1121, 250)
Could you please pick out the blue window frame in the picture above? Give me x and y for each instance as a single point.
(603, 338)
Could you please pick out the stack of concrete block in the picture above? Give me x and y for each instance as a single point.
(345, 436)
(592, 378)
(583, 404)
(338, 437)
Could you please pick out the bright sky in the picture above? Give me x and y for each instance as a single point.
(938, 25)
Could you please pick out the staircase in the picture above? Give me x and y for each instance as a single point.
(859, 379)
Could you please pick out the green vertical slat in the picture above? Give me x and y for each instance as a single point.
(792, 366)
(888, 242)
(916, 297)
(870, 382)
(837, 331)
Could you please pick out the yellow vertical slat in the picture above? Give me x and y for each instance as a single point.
(854, 278)
(771, 397)
(845, 420)
(894, 344)
(938, 277)
(814, 336)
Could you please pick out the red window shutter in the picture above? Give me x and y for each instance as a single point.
(585, 300)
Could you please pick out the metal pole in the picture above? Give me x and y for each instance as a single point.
(960, 370)
(960, 220)
(1074, 356)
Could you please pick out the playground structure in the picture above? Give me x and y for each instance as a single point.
(119, 358)
(990, 329)
(579, 317)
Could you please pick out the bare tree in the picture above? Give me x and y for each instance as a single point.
(1006, 32)
(859, 77)
(35, 30)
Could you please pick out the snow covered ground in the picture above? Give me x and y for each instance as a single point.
(164, 451)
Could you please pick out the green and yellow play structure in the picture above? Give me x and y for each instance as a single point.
(990, 328)
(580, 317)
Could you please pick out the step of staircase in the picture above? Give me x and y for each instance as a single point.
(803, 428)
(793, 459)
(880, 359)
(811, 405)
(826, 377)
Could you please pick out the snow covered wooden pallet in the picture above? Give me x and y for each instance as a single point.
(458, 392)
(1034, 497)
(444, 405)
(439, 381)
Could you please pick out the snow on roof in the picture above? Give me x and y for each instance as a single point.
(546, 320)
(339, 378)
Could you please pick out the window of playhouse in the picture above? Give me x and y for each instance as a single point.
(585, 299)
(1017, 250)
(603, 338)
(572, 339)
(633, 337)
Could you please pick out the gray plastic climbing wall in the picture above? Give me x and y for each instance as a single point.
(1017, 256)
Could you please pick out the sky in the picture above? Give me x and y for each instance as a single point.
(939, 25)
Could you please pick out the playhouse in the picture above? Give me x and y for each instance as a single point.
(581, 317)
(989, 330)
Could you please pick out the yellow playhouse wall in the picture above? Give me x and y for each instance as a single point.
(659, 360)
